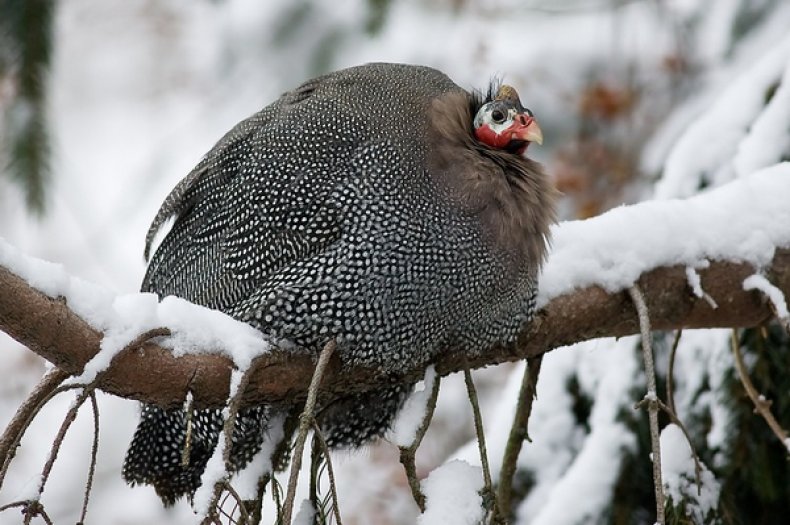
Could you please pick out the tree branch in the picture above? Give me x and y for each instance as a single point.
(152, 374)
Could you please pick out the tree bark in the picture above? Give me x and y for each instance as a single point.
(152, 374)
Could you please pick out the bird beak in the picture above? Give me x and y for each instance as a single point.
(526, 128)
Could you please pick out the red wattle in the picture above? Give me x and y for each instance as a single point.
(488, 136)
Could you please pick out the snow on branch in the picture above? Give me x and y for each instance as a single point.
(774, 294)
(582, 296)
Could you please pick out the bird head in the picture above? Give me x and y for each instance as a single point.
(504, 124)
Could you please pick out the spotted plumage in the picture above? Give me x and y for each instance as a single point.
(358, 207)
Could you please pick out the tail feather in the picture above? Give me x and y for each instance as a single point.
(156, 452)
(155, 455)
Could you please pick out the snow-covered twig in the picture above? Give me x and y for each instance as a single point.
(651, 397)
(761, 405)
(305, 422)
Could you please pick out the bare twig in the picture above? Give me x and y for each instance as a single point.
(651, 397)
(676, 420)
(24, 415)
(71, 415)
(669, 409)
(761, 405)
(31, 415)
(254, 507)
(489, 496)
(319, 438)
(47, 388)
(35, 508)
(518, 432)
(277, 495)
(12, 505)
(94, 452)
(244, 516)
(30, 509)
(315, 464)
(221, 512)
(305, 422)
(697, 462)
(407, 459)
(408, 454)
(671, 370)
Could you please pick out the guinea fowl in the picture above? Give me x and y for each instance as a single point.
(382, 207)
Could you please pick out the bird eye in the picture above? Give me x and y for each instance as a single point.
(498, 116)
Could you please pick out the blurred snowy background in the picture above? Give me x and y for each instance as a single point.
(628, 92)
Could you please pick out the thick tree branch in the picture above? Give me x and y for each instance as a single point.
(151, 373)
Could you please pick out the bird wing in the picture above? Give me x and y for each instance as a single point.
(266, 195)
(251, 207)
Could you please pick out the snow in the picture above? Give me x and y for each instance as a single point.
(768, 138)
(694, 281)
(593, 463)
(615, 248)
(246, 481)
(702, 153)
(703, 368)
(259, 465)
(563, 454)
(774, 294)
(452, 495)
(305, 514)
(132, 315)
(214, 473)
(195, 329)
(677, 472)
(411, 416)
